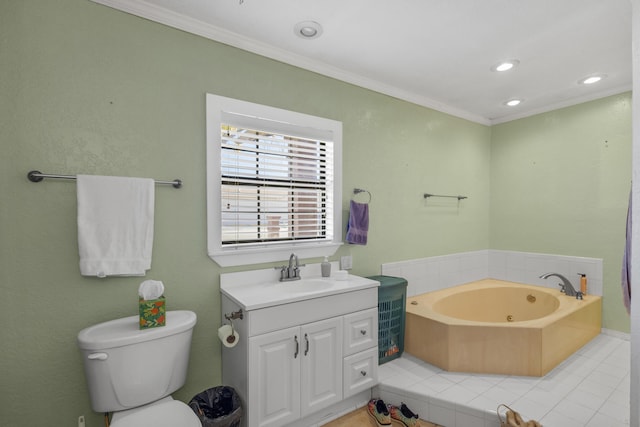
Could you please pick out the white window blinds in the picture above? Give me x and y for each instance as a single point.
(274, 187)
(274, 183)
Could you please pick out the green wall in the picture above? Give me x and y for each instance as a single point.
(561, 180)
(87, 89)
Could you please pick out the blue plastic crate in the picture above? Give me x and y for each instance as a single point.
(392, 297)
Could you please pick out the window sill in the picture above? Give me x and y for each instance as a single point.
(235, 256)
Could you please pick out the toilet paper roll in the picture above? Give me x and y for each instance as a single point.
(228, 338)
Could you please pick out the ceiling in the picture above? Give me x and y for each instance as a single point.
(435, 53)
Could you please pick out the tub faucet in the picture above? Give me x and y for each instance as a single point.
(565, 286)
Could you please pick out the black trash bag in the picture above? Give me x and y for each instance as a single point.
(218, 407)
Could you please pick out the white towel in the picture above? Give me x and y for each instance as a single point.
(115, 225)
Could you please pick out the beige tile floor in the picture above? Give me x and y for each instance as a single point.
(360, 418)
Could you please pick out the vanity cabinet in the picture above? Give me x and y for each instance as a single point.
(294, 360)
(298, 371)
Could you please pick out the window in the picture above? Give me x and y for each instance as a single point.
(273, 183)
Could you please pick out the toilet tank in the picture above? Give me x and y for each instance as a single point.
(126, 367)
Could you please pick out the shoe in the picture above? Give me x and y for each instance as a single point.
(378, 410)
(403, 415)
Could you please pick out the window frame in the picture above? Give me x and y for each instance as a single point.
(218, 110)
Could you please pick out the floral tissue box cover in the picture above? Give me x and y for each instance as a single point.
(152, 312)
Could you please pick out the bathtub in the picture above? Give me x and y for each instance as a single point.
(498, 327)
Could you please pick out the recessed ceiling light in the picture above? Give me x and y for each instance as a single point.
(513, 102)
(308, 29)
(592, 79)
(505, 65)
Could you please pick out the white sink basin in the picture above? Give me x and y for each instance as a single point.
(305, 285)
(256, 289)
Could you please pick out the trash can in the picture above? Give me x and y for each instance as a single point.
(392, 299)
(218, 407)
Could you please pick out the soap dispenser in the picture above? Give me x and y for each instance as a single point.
(583, 283)
(325, 267)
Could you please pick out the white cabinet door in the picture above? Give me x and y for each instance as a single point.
(274, 378)
(321, 364)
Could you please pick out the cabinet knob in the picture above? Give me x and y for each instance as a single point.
(363, 373)
(295, 338)
(363, 331)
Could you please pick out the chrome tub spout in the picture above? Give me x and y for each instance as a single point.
(565, 286)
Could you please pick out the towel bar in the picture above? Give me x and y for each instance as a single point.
(426, 195)
(37, 176)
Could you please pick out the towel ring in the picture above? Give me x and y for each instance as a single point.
(357, 191)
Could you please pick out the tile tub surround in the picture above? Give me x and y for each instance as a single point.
(589, 389)
(439, 272)
(443, 327)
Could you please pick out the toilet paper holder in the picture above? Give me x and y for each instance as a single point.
(235, 315)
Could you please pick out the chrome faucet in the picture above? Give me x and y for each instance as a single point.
(292, 271)
(294, 267)
(565, 286)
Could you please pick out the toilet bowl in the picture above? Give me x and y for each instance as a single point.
(132, 372)
(166, 413)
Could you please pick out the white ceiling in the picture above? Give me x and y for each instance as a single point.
(436, 53)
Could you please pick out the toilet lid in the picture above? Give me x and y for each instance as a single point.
(169, 414)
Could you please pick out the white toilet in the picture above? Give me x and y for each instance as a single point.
(132, 372)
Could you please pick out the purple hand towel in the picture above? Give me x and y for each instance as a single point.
(358, 225)
(626, 263)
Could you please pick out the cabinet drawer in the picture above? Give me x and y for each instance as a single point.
(360, 331)
(360, 372)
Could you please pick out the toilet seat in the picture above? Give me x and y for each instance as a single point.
(172, 413)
